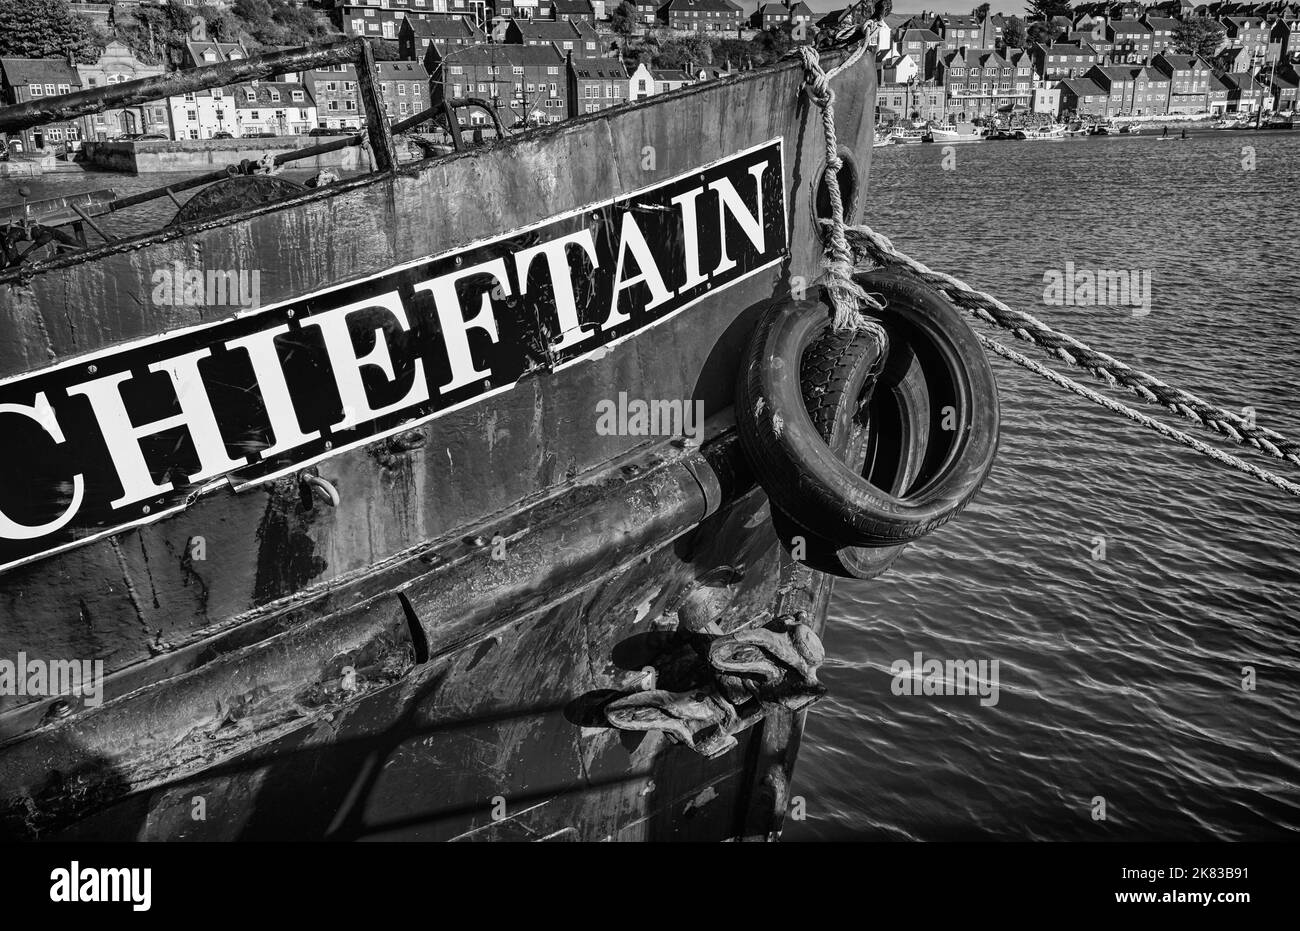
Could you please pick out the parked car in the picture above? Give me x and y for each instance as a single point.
(259, 135)
(323, 131)
(222, 135)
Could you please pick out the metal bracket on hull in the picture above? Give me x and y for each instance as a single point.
(744, 676)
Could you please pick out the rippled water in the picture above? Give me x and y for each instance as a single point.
(1121, 677)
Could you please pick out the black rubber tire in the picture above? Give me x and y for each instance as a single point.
(802, 475)
(840, 377)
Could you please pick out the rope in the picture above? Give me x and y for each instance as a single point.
(1124, 410)
(837, 278)
(845, 245)
(1024, 326)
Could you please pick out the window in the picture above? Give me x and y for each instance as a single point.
(553, 70)
(347, 86)
(191, 115)
(482, 88)
(455, 90)
(516, 70)
(254, 115)
(298, 96)
(250, 96)
(402, 108)
(552, 90)
(49, 90)
(275, 96)
(332, 105)
(401, 89)
(457, 69)
(217, 94)
(65, 88)
(35, 91)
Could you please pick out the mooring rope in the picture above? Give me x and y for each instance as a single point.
(847, 246)
(877, 247)
(1138, 417)
(846, 296)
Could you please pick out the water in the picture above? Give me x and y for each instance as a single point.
(1120, 678)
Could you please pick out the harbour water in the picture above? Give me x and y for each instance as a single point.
(1121, 677)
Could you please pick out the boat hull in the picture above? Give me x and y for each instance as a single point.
(427, 658)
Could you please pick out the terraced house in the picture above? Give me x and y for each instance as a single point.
(1246, 32)
(1131, 90)
(403, 87)
(1063, 59)
(24, 79)
(958, 30)
(701, 16)
(1083, 97)
(382, 19)
(202, 114)
(980, 81)
(1162, 31)
(524, 83)
(579, 37)
(276, 107)
(1189, 82)
(595, 84)
(1131, 40)
(416, 35)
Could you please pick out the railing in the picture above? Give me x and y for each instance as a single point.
(357, 51)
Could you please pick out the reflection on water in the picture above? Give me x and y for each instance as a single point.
(1120, 678)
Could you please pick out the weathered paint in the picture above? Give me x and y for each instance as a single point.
(491, 705)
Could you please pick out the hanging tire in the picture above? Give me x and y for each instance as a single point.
(935, 379)
(851, 410)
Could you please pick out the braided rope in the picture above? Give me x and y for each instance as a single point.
(1163, 429)
(837, 278)
(878, 248)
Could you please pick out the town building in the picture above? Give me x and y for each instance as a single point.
(1189, 78)
(979, 82)
(595, 84)
(578, 37)
(523, 83)
(1083, 97)
(712, 16)
(416, 35)
(1247, 32)
(24, 79)
(957, 30)
(276, 107)
(117, 64)
(382, 19)
(571, 10)
(1063, 59)
(202, 114)
(338, 100)
(403, 88)
(1244, 93)
(1132, 41)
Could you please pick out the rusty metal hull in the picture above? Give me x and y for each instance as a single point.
(229, 711)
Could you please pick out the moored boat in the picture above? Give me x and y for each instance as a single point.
(459, 531)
